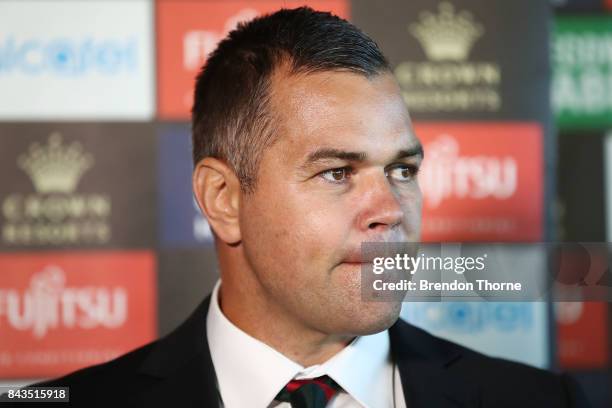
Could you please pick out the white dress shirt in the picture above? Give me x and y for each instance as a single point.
(250, 373)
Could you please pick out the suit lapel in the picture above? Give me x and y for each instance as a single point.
(181, 361)
(424, 363)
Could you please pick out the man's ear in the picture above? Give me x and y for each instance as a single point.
(217, 191)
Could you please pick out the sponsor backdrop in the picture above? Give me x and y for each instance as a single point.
(99, 231)
(460, 59)
(582, 103)
(481, 181)
(583, 333)
(76, 59)
(582, 54)
(60, 311)
(64, 186)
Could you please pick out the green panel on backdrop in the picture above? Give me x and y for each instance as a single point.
(582, 65)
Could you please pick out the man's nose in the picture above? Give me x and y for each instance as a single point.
(382, 208)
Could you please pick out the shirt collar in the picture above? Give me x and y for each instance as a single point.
(251, 373)
(364, 370)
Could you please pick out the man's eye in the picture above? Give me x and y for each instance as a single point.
(403, 173)
(338, 175)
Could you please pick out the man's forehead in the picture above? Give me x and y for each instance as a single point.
(338, 108)
(321, 91)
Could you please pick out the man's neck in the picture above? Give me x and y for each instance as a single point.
(283, 333)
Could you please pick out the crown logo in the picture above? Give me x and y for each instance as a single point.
(53, 167)
(447, 35)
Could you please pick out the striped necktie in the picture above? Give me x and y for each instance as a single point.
(311, 393)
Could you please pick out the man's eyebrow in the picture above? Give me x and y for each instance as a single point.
(330, 153)
(416, 150)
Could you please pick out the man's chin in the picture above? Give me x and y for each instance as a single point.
(381, 324)
(376, 317)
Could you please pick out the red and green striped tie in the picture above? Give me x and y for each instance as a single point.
(312, 393)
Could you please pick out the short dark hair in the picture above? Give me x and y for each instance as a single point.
(230, 115)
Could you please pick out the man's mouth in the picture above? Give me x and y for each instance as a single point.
(359, 257)
(357, 261)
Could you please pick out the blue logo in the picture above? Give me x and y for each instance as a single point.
(181, 222)
(473, 317)
(67, 57)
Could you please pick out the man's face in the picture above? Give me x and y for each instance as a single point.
(342, 172)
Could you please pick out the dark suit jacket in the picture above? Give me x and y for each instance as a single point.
(177, 371)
